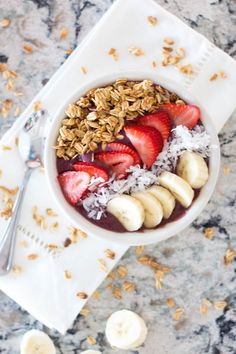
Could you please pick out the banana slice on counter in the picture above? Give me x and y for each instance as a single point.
(36, 342)
(152, 208)
(166, 199)
(90, 352)
(193, 169)
(128, 210)
(125, 330)
(178, 187)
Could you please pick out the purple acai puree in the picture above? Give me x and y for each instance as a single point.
(109, 222)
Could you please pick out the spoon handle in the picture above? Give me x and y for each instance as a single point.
(7, 243)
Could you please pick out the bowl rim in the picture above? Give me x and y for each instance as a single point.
(131, 238)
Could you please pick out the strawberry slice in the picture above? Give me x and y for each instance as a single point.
(119, 162)
(121, 147)
(182, 114)
(147, 141)
(74, 185)
(159, 120)
(92, 170)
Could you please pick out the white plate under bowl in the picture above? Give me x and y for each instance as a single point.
(147, 236)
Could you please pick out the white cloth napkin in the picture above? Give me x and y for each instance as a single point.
(40, 287)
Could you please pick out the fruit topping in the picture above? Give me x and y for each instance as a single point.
(152, 209)
(119, 162)
(193, 169)
(178, 187)
(93, 170)
(121, 147)
(159, 120)
(147, 141)
(182, 114)
(74, 185)
(128, 210)
(166, 199)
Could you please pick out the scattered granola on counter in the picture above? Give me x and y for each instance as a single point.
(129, 286)
(137, 52)
(84, 312)
(27, 48)
(219, 75)
(16, 269)
(83, 70)
(122, 271)
(50, 212)
(96, 295)
(5, 22)
(152, 20)
(209, 233)
(110, 254)
(113, 53)
(64, 33)
(7, 200)
(91, 340)
(170, 302)
(103, 265)
(37, 106)
(220, 305)
(179, 312)
(67, 274)
(229, 256)
(32, 256)
(82, 295)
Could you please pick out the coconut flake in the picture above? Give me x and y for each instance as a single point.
(139, 179)
(182, 139)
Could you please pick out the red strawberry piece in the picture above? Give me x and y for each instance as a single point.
(74, 185)
(92, 170)
(121, 147)
(159, 120)
(182, 114)
(119, 162)
(147, 141)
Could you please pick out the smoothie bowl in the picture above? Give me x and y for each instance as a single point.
(132, 158)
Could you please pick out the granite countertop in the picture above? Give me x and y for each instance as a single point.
(197, 262)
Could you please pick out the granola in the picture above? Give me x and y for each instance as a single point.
(152, 20)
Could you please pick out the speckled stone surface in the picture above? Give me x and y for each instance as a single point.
(198, 270)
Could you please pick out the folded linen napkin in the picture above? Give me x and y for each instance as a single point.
(41, 287)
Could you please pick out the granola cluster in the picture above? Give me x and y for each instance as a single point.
(99, 116)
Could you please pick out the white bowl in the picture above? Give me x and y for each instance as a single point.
(147, 236)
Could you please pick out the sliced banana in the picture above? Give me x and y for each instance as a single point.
(166, 199)
(152, 208)
(178, 187)
(90, 352)
(125, 330)
(193, 169)
(128, 210)
(36, 342)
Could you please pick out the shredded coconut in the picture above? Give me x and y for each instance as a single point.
(182, 139)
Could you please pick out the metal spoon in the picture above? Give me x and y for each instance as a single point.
(31, 141)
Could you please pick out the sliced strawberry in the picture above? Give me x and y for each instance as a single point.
(159, 120)
(119, 162)
(74, 185)
(147, 141)
(92, 170)
(182, 114)
(121, 147)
